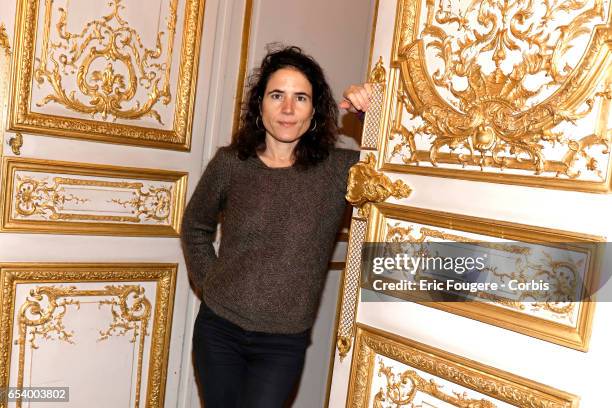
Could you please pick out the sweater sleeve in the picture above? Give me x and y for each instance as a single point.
(201, 216)
(343, 159)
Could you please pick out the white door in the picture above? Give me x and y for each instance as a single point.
(489, 123)
(106, 129)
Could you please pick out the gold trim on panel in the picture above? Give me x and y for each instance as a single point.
(573, 337)
(242, 69)
(5, 45)
(128, 316)
(4, 40)
(31, 196)
(488, 127)
(350, 287)
(111, 88)
(367, 186)
(495, 383)
(373, 34)
(16, 142)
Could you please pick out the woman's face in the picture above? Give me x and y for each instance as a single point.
(286, 107)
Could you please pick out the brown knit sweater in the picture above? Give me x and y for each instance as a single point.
(277, 235)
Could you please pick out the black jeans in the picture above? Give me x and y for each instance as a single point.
(239, 368)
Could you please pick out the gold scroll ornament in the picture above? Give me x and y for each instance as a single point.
(401, 388)
(49, 196)
(112, 39)
(366, 185)
(104, 69)
(563, 275)
(467, 79)
(39, 316)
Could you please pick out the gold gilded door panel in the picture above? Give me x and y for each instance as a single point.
(474, 104)
(113, 72)
(501, 91)
(56, 313)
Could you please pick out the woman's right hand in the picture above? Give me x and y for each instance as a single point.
(356, 98)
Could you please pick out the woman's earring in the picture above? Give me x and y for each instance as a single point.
(258, 123)
(315, 126)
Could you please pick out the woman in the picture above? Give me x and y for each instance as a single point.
(280, 187)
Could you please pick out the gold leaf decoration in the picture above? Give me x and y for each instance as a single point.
(372, 343)
(494, 85)
(4, 40)
(562, 275)
(38, 197)
(366, 185)
(111, 39)
(16, 142)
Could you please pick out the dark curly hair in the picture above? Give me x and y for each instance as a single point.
(313, 147)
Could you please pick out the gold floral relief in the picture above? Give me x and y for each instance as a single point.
(504, 91)
(562, 274)
(551, 319)
(100, 77)
(39, 317)
(492, 385)
(402, 388)
(44, 196)
(109, 41)
(42, 314)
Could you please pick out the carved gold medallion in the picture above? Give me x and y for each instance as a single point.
(502, 91)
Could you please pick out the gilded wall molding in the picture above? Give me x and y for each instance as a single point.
(465, 374)
(464, 102)
(105, 80)
(570, 325)
(76, 198)
(135, 315)
(5, 63)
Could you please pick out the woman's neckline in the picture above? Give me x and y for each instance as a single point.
(263, 164)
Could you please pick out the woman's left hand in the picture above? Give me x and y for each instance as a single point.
(356, 98)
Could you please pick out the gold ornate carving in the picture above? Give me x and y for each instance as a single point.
(110, 38)
(366, 186)
(37, 197)
(466, 373)
(563, 276)
(402, 388)
(572, 321)
(41, 314)
(106, 71)
(378, 74)
(4, 40)
(16, 142)
(70, 204)
(468, 80)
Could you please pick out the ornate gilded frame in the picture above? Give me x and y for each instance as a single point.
(5, 54)
(52, 274)
(93, 224)
(515, 390)
(410, 88)
(23, 119)
(573, 337)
